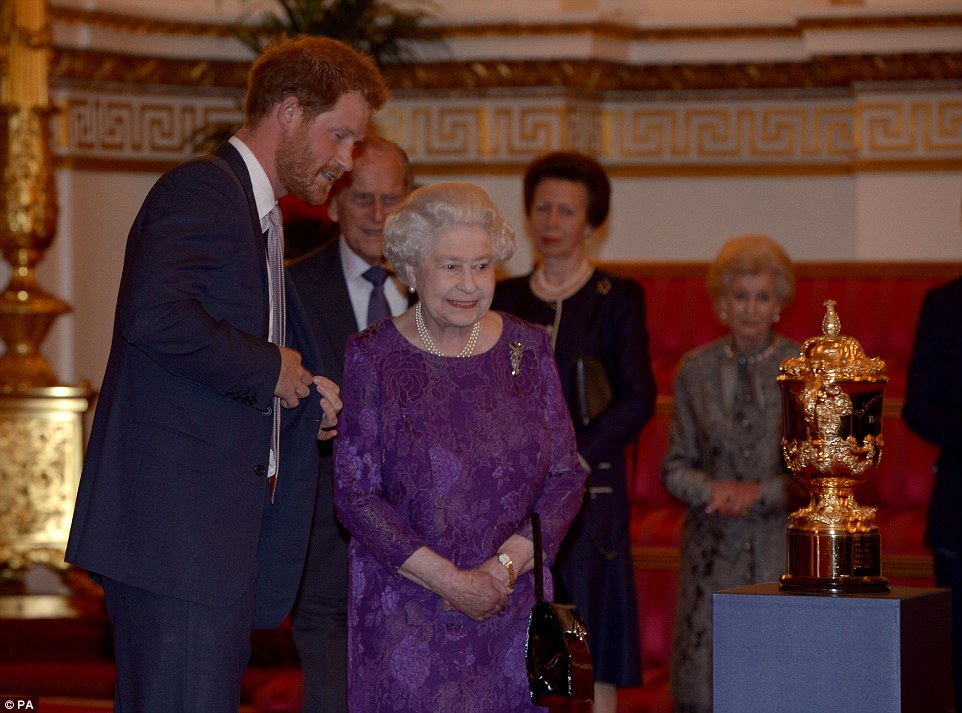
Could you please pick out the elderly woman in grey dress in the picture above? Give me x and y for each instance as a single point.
(724, 458)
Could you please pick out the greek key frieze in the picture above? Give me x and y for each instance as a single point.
(748, 133)
(132, 128)
(509, 130)
(528, 131)
(904, 128)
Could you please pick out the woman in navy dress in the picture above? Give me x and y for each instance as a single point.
(597, 325)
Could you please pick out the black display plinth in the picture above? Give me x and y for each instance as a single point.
(779, 652)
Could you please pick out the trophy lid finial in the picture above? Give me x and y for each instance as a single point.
(831, 324)
(833, 356)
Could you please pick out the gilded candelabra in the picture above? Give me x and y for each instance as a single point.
(29, 211)
(41, 420)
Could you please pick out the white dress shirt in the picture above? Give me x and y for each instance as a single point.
(265, 201)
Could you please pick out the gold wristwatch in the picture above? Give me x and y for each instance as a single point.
(504, 559)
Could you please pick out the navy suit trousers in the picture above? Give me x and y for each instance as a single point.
(176, 656)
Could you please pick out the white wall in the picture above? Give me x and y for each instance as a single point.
(913, 216)
(690, 218)
(90, 269)
(903, 217)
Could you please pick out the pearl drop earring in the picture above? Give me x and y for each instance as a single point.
(411, 289)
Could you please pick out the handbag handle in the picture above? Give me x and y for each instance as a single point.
(538, 568)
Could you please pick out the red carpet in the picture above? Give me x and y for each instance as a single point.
(59, 651)
(81, 705)
(74, 705)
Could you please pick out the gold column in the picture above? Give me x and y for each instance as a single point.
(41, 420)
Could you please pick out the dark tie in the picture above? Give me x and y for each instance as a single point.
(278, 332)
(377, 306)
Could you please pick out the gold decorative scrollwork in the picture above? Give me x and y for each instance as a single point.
(41, 437)
(832, 403)
(824, 406)
(31, 478)
(834, 509)
(28, 178)
(826, 454)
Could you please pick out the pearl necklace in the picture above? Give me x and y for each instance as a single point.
(750, 359)
(432, 347)
(547, 292)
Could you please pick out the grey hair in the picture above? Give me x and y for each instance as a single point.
(751, 255)
(428, 210)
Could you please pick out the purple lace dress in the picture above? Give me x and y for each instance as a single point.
(452, 454)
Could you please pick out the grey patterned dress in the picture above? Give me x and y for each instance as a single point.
(726, 426)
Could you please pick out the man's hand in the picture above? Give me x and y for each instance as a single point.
(330, 404)
(294, 381)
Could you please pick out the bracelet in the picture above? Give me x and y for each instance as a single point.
(504, 559)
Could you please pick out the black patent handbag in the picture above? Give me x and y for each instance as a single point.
(592, 390)
(557, 654)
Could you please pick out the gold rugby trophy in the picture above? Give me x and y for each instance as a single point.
(832, 437)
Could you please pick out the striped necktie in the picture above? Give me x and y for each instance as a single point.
(278, 326)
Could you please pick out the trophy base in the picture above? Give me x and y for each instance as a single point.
(833, 563)
(836, 585)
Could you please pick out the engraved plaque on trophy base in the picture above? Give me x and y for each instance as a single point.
(834, 563)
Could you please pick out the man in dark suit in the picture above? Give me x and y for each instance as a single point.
(933, 409)
(337, 297)
(195, 502)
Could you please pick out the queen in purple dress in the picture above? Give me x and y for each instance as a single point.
(454, 431)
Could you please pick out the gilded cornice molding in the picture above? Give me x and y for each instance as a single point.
(577, 74)
(89, 66)
(633, 33)
(883, 22)
(86, 66)
(140, 25)
(615, 31)
(604, 76)
(600, 29)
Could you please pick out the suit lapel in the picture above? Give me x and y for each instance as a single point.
(237, 166)
(233, 164)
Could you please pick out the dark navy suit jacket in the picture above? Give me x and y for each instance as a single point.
(319, 280)
(933, 406)
(172, 494)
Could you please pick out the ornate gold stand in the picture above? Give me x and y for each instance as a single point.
(41, 435)
(41, 421)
